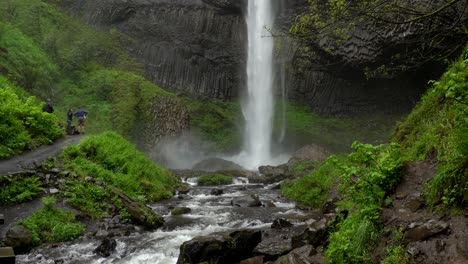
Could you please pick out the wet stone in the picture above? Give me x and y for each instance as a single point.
(106, 248)
(217, 192)
(2, 219)
(53, 191)
(280, 223)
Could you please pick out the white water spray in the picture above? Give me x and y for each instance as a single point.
(258, 109)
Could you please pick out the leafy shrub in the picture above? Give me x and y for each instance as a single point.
(51, 224)
(111, 158)
(19, 189)
(313, 188)
(352, 241)
(214, 179)
(23, 124)
(367, 175)
(370, 172)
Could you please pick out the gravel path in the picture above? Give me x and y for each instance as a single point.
(26, 160)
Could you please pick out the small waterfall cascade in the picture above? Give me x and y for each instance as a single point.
(258, 108)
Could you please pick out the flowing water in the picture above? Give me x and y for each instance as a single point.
(209, 214)
(258, 108)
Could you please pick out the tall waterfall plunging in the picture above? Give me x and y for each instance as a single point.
(258, 108)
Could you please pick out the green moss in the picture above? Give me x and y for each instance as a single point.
(112, 159)
(214, 179)
(19, 189)
(51, 224)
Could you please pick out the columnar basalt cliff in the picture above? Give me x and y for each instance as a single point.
(192, 46)
(199, 47)
(380, 67)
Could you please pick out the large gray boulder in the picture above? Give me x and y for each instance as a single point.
(223, 248)
(216, 164)
(19, 237)
(310, 152)
(246, 201)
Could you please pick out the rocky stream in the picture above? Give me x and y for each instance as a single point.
(255, 214)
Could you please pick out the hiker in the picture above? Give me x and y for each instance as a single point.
(48, 107)
(69, 117)
(81, 115)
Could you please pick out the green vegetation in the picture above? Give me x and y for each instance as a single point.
(110, 158)
(216, 122)
(336, 134)
(51, 224)
(88, 197)
(52, 55)
(341, 20)
(303, 165)
(23, 124)
(214, 179)
(440, 122)
(396, 252)
(19, 189)
(313, 188)
(367, 176)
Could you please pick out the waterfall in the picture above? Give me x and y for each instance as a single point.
(258, 108)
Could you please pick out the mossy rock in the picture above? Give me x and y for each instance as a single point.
(214, 179)
(181, 210)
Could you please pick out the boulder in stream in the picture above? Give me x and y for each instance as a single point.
(246, 201)
(226, 248)
(139, 213)
(181, 211)
(216, 164)
(106, 248)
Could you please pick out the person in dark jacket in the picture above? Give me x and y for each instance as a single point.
(69, 117)
(48, 107)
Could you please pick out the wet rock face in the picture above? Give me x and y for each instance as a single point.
(336, 83)
(194, 46)
(164, 117)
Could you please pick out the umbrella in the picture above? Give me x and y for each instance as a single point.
(80, 113)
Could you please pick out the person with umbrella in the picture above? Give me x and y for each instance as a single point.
(81, 115)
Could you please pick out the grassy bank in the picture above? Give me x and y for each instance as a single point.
(110, 158)
(437, 129)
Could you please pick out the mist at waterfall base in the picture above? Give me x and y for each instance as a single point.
(257, 104)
